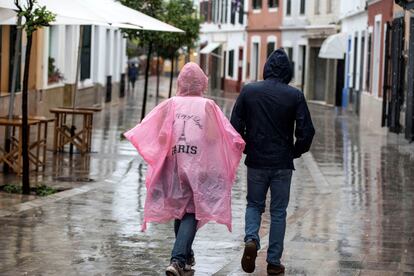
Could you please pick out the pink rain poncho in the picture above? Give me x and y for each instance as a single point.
(192, 152)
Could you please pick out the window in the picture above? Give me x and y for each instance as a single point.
(204, 10)
(233, 12)
(85, 70)
(288, 7)
(54, 74)
(355, 54)
(210, 11)
(231, 63)
(369, 54)
(361, 65)
(226, 13)
(257, 4)
(223, 11)
(254, 66)
(13, 34)
(273, 3)
(289, 52)
(328, 6)
(302, 7)
(270, 48)
(317, 4)
(241, 12)
(213, 10)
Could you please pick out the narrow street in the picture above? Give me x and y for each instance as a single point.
(350, 211)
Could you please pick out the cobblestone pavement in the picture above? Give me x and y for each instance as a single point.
(350, 211)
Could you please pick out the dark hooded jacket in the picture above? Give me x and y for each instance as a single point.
(268, 113)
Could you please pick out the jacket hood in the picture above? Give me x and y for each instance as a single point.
(278, 67)
(191, 81)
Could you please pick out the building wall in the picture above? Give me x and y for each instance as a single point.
(263, 27)
(356, 28)
(371, 98)
(382, 12)
(262, 38)
(323, 12)
(323, 17)
(218, 28)
(294, 36)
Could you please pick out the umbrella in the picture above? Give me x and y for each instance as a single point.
(122, 14)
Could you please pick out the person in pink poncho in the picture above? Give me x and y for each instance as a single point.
(192, 153)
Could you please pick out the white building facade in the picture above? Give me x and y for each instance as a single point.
(102, 61)
(320, 73)
(222, 43)
(294, 39)
(354, 23)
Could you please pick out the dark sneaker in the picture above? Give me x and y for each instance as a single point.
(248, 261)
(190, 263)
(275, 269)
(174, 269)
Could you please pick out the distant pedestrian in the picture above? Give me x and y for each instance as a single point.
(267, 114)
(193, 153)
(132, 74)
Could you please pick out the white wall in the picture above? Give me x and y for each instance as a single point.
(108, 54)
(295, 39)
(354, 23)
(232, 37)
(295, 18)
(324, 17)
(348, 8)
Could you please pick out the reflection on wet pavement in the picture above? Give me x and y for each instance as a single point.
(350, 212)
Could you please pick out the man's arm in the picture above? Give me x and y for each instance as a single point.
(238, 116)
(304, 130)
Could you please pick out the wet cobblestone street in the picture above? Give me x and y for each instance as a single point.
(351, 209)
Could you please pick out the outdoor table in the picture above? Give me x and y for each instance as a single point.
(41, 143)
(82, 139)
(88, 108)
(13, 158)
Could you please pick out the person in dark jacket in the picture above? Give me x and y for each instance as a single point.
(132, 74)
(267, 114)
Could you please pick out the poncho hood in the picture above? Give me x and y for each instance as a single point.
(191, 81)
(278, 67)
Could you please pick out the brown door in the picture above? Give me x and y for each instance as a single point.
(240, 70)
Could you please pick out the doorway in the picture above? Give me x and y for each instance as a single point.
(319, 70)
(302, 66)
(340, 81)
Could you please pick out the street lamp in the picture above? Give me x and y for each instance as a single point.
(406, 4)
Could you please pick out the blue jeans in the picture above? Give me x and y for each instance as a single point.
(185, 230)
(258, 183)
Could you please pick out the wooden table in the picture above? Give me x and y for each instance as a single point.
(82, 138)
(41, 143)
(89, 108)
(13, 158)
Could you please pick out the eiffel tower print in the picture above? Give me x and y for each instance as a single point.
(182, 137)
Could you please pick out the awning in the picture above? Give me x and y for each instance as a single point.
(210, 48)
(334, 47)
